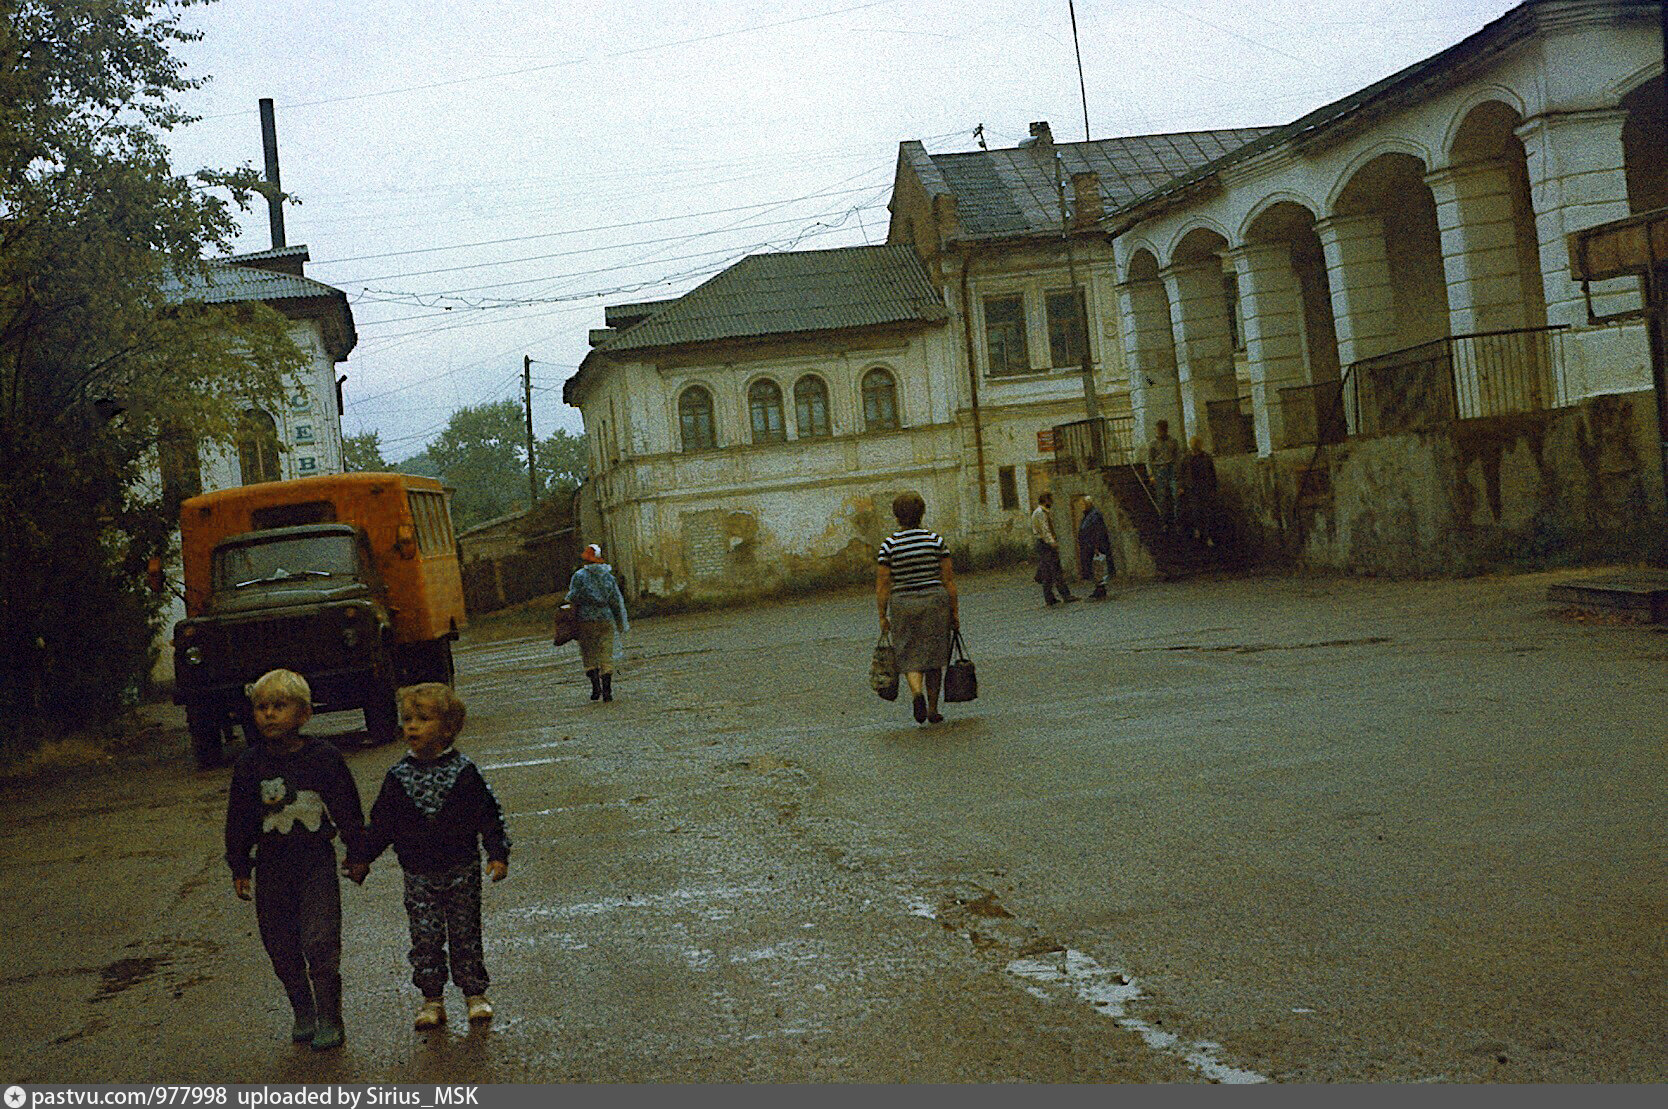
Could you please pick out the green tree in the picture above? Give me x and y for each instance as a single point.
(482, 453)
(94, 229)
(419, 463)
(564, 461)
(362, 453)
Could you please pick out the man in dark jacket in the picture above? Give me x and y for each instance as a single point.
(1094, 541)
(1199, 490)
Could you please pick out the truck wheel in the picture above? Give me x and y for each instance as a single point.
(382, 712)
(206, 743)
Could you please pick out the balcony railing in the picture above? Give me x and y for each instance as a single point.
(1461, 377)
(1231, 428)
(1311, 414)
(1091, 444)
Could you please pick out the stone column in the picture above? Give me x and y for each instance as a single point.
(1203, 343)
(1475, 216)
(1271, 302)
(1363, 304)
(1577, 179)
(1153, 391)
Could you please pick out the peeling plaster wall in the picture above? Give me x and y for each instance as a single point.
(1572, 485)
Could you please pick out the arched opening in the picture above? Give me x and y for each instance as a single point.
(810, 407)
(257, 447)
(1500, 277)
(764, 406)
(880, 401)
(1154, 392)
(695, 425)
(1644, 153)
(1204, 314)
(1292, 340)
(1391, 192)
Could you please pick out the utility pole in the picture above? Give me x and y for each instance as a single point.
(1090, 398)
(527, 396)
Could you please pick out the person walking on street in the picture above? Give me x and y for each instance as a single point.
(1162, 455)
(1049, 575)
(915, 589)
(597, 601)
(1199, 485)
(1094, 542)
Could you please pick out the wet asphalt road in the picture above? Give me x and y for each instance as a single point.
(1294, 830)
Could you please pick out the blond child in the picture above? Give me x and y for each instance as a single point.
(438, 811)
(289, 796)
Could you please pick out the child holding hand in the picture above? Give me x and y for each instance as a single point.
(438, 812)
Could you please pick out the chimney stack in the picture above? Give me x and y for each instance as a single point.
(1087, 207)
(274, 202)
(1041, 137)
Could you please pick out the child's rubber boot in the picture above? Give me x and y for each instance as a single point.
(327, 1031)
(480, 1009)
(608, 687)
(301, 1000)
(596, 684)
(431, 1015)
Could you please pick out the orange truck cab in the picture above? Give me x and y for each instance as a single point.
(351, 580)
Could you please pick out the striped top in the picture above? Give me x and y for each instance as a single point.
(913, 554)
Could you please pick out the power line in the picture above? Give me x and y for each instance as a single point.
(562, 64)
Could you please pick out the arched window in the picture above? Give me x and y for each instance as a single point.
(810, 407)
(764, 402)
(257, 447)
(695, 419)
(880, 401)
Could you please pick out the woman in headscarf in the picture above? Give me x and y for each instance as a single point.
(598, 603)
(915, 587)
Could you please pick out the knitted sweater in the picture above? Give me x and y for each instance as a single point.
(283, 806)
(437, 815)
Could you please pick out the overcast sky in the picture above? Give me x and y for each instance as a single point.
(482, 177)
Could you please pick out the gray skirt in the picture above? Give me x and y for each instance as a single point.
(921, 629)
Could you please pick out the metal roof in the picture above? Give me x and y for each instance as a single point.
(793, 292)
(1011, 192)
(224, 283)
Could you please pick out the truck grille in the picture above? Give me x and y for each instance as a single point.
(301, 643)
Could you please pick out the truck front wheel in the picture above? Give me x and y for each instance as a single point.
(382, 711)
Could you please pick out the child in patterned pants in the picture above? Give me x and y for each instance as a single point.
(438, 812)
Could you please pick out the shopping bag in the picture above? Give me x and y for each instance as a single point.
(883, 670)
(566, 628)
(961, 683)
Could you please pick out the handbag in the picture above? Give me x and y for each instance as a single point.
(961, 682)
(567, 626)
(883, 669)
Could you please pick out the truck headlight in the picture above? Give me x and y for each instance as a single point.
(194, 655)
(350, 636)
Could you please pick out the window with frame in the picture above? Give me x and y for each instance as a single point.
(810, 407)
(1067, 327)
(695, 419)
(1005, 344)
(880, 401)
(1007, 485)
(764, 405)
(257, 447)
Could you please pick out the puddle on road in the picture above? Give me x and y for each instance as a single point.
(1109, 991)
(126, 973)
(1255, 648)
(647, 901)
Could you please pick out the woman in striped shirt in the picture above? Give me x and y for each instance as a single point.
(915, 589)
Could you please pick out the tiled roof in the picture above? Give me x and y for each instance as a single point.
(793, 292)
(226, 284)
(1011, 192)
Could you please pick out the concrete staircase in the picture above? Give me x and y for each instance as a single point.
(1174, 551)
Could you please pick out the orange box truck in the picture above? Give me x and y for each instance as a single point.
(351, 580)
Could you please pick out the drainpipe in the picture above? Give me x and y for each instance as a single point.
(973, 371)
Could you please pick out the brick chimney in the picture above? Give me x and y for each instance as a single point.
(1042, 139)
(1087, 207)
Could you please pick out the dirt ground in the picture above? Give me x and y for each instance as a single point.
(1278, 829)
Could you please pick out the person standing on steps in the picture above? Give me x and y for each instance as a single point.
(1049, 575)
(1163, 453)
(596, 599)
(1094, 542)
(1199, 486)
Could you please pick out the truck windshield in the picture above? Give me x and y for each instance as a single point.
(291, 559)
